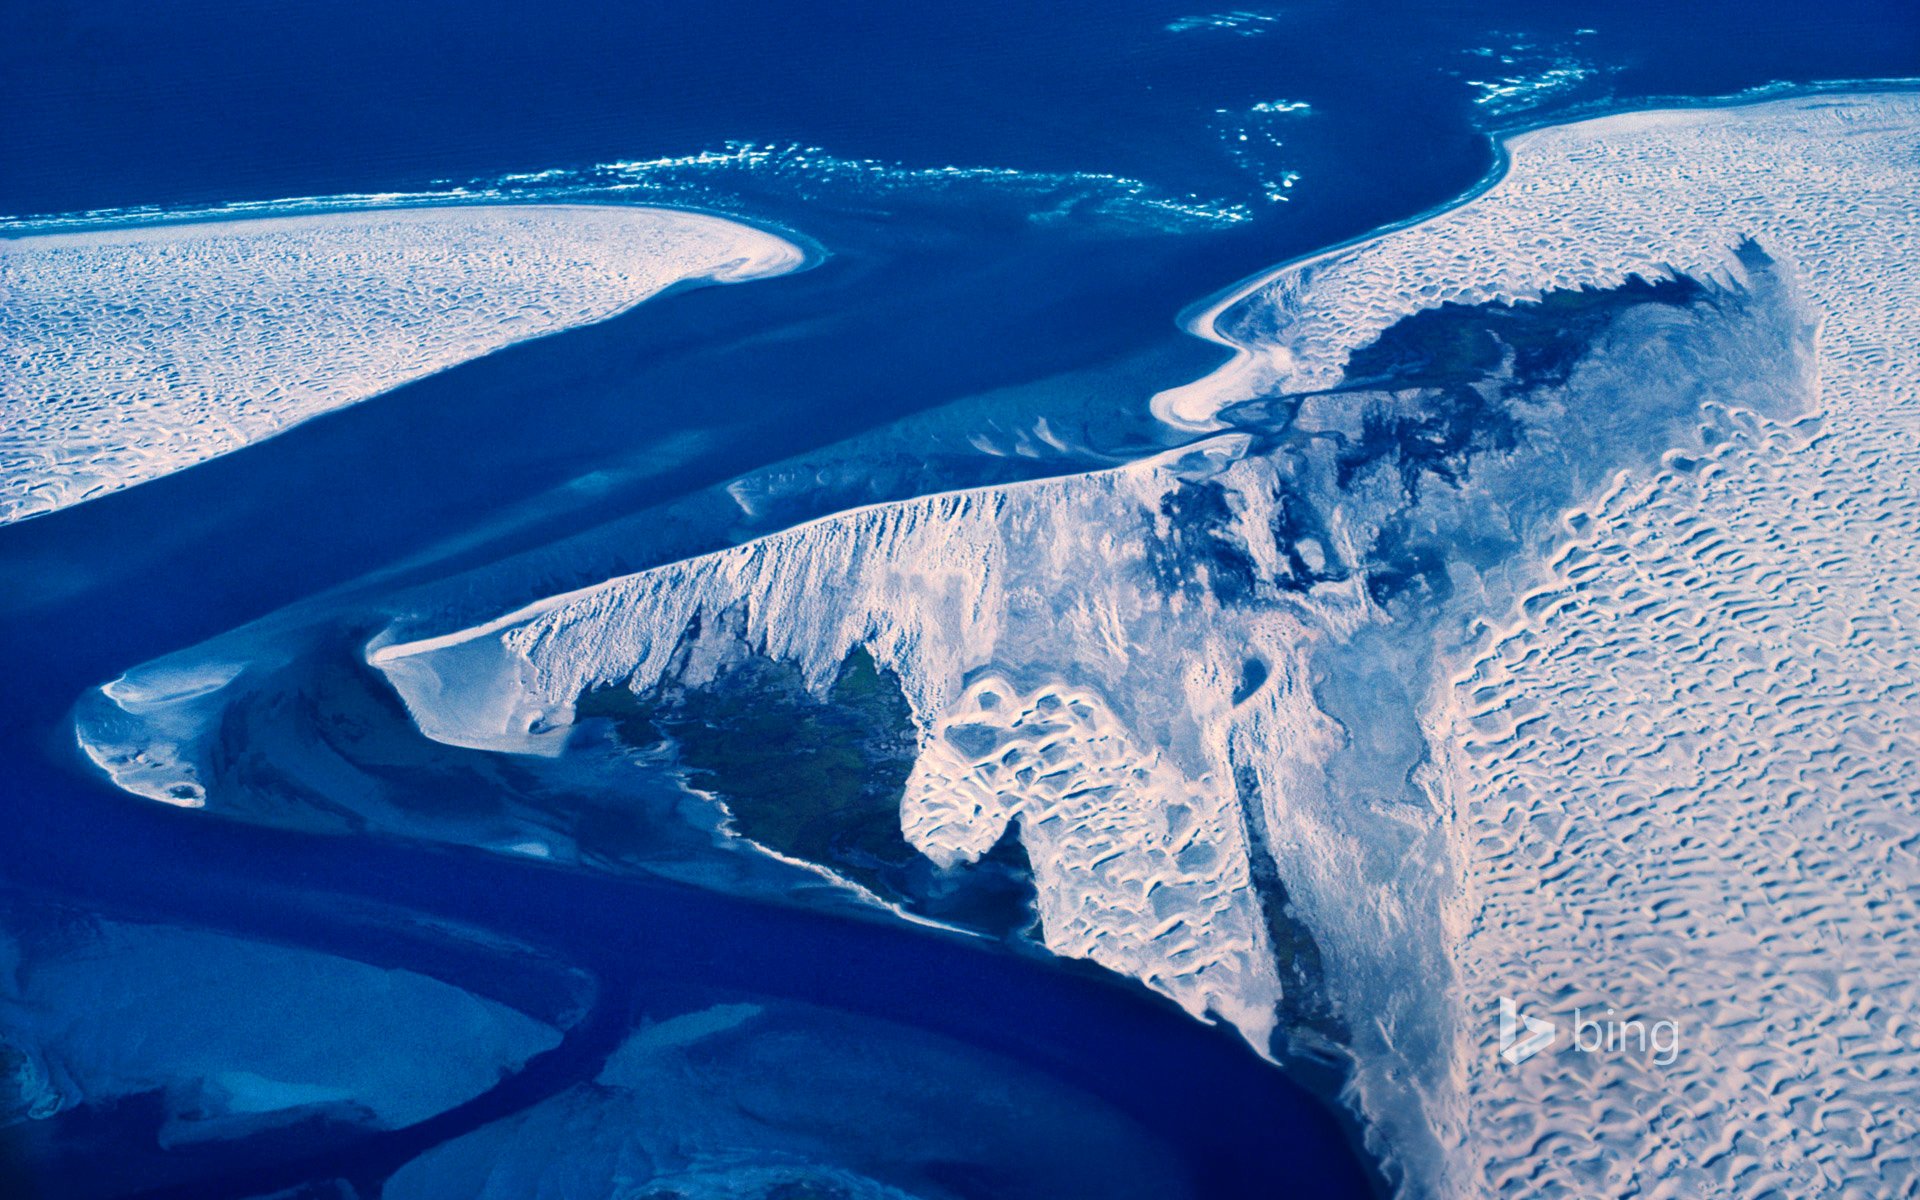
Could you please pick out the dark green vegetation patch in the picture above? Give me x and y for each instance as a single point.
(818, 778)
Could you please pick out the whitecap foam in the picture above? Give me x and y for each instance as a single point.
(1238, 22)
(745, 176)
(1520, 73)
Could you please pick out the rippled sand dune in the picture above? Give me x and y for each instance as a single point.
(133, 353)
(937, 589)
(1677, 775)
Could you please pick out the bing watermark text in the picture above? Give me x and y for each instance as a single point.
(1523, 1035)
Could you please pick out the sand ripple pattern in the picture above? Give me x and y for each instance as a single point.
(1686, 788)
(1683, 774)
(1677, 778)
(1029, 688)
(127, 354)
(1136, 867)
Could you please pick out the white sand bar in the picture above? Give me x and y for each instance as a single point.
(127, 354)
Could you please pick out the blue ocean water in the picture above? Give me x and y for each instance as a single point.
(1162, 151)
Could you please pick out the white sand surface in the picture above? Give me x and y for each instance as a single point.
(130, 353)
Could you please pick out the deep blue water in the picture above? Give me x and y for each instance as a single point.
(649, 949)
(934, 291)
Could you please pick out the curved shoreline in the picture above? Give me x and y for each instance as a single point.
(21, 229)
(157, 347)
(1201, 318)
